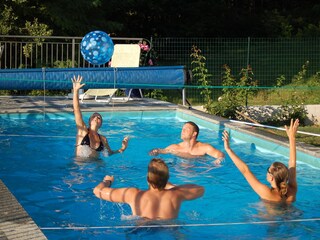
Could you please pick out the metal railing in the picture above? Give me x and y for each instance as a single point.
(37, 52)
(271, 59)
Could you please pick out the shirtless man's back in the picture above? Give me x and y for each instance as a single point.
(161, 201)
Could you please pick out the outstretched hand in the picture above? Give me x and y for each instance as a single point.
(219, 161)
(225, 139)
(108, 178)
(76, 82)
(154, 152)
(292, 130)
(125, 143)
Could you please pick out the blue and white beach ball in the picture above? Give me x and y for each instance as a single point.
(97, 47)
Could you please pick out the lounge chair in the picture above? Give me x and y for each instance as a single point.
(96, 92)
(124, 55)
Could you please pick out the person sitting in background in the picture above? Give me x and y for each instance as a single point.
(281, 178)
(161, 201)
(190, 147)
(88, 141)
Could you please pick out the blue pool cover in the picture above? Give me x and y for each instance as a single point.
(164, 77)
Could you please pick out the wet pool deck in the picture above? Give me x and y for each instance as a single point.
(54, 104)
(15, 223)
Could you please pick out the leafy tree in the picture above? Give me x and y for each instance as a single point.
(165, 18)
(7, 20)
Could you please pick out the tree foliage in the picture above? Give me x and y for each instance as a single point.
(163, 18)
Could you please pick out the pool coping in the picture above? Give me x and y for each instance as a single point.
(254, 131)
(15, 223)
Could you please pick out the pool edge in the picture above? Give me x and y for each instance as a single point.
(15, 222)
(253, 131)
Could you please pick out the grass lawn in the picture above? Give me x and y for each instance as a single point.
(312, 140)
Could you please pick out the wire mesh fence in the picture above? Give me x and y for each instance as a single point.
(271, 60)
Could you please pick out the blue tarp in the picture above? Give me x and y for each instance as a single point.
(164, 77)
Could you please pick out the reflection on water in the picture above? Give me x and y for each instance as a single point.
(270, 211)
(85, 151)
(85, 161)
(282, 220)
(156, 229)
(201, 166)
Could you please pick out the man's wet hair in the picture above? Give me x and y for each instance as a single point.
(195, 127)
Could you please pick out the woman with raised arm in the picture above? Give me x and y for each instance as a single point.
(281, 178)
(88, 141)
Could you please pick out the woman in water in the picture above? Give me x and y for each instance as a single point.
(281, 178)
(88, 141)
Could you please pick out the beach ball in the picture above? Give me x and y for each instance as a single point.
(97, 47)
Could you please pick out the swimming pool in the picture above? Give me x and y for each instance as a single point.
(39, 168)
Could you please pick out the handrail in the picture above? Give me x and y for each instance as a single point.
(67, 37)
(272, 127)
(21, 51)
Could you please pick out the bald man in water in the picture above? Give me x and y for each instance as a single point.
(161, 201)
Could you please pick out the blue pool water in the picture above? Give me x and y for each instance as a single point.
(38, 166)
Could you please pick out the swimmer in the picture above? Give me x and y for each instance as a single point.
(161, 201)
(88, 139)
(190, 147)
(282, 179)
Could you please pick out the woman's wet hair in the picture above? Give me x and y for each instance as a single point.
(158, 173)
(280, 173)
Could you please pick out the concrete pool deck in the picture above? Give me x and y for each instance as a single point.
(21, 226)
(18, 104)
(15, 223)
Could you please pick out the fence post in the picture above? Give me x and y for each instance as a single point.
(73, 52)
(248, 62)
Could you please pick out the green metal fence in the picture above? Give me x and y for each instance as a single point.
(269, 59)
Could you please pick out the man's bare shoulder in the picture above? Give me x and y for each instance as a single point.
(176, 190)
(174, 146)
(202, 145)
(183, 192)
(130, 194)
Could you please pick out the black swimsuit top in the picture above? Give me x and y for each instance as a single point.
(86, 141)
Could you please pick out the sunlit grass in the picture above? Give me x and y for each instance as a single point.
(283, 96)
(312, 140)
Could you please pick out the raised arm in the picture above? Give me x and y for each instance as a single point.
(291, 132)
(76, 82)
(261, 189)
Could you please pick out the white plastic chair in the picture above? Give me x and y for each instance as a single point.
(124, 55)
